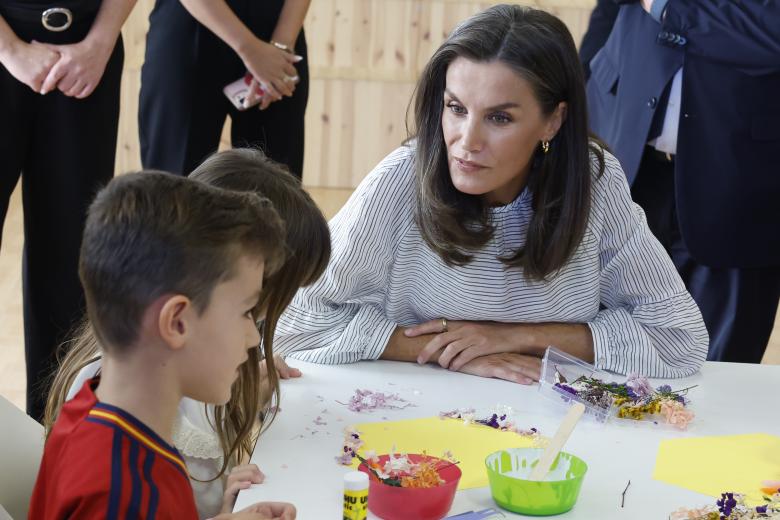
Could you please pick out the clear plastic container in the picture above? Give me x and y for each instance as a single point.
(559, 367)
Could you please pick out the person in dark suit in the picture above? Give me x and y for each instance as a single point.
(685, 92)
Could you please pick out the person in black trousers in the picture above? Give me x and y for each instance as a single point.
(60, 72)
(196, 47)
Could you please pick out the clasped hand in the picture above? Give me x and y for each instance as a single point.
(487, 349)
(272, 68)
(75, 69)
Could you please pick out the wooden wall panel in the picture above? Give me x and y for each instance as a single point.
(364, 59)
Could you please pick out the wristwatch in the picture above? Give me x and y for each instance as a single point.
(281, 46)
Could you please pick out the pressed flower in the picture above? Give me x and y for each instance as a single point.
(566, 388)
(368, 400)
(639, 385)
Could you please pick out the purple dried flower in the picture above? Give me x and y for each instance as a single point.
(665, 389)
(726, 503)
(345, 459)
(366, 400)
(761, 509)
(566, 388)
(492, 422)
(638, 385)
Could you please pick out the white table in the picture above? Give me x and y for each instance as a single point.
(731, 398)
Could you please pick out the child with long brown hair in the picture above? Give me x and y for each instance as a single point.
(217, 441)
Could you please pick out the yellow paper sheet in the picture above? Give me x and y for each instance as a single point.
(713, 465)
(469, 444)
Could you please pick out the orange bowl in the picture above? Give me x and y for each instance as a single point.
(399, 503)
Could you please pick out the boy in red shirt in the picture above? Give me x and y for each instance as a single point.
(171, 270)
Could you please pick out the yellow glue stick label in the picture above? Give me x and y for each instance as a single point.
(355, 505)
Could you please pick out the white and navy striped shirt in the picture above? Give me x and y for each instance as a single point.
(619, 281)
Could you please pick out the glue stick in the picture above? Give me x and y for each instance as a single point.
(355, 495)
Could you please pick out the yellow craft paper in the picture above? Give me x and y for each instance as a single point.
(713, 465)
(469, 443)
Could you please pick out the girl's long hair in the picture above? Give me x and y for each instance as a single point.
(308, 247)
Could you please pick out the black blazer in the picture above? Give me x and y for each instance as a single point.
(728, 150)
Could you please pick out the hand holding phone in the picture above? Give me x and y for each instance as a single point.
(245, 92)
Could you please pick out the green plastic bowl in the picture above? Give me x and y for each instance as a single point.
(508, 471)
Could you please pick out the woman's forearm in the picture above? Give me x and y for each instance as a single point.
(290, 22)
(403, 348)
(466, 340)
(220, 19)
(572, 338)
(8, 38)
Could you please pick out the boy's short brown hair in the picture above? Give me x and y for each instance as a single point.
(152, 233)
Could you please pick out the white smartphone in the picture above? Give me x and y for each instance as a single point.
(244, 93)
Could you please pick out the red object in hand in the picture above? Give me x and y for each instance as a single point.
(401, 503)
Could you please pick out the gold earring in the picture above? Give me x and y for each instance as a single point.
(545, 146)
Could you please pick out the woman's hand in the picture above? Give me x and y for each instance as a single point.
(518, 368)
(80, 67)
(465, 341)
(284, 370)
(262, 511)
(29, 63)
(240, 477)
(272, 67)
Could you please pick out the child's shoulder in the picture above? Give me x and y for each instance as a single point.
(107, 456)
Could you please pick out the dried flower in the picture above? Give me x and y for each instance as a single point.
(676, 414)
(731, 506)
(635, 399)
(368, 400)
(400, 471)
(566, 388)
(352, 443)
(639, 385)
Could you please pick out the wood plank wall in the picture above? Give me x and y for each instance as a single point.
(364, 57)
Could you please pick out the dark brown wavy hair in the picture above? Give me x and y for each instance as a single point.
(540, 49)
(308, 248)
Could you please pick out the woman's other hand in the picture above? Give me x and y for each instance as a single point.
(464, 341)
(29, 63)
(80, 67)
(273, 68)
(518, 368)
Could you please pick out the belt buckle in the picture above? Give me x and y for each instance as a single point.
(48, 13)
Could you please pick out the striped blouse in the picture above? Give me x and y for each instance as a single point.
(619, 281)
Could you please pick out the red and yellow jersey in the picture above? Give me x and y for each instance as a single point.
(101, 462)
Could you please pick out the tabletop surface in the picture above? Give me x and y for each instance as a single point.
(297, 452)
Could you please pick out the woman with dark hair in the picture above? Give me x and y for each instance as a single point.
(500, 230)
